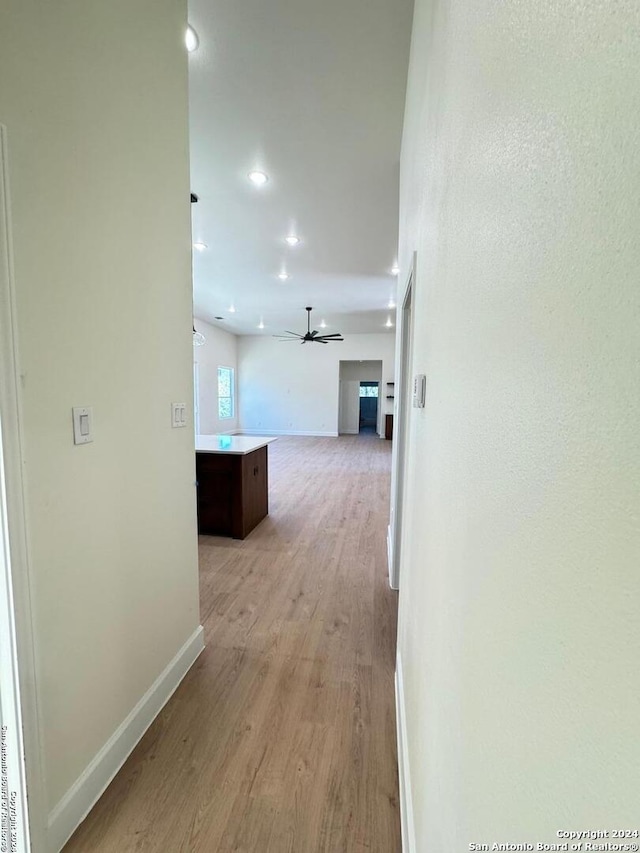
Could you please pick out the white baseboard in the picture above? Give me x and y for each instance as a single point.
(75, 805)
(404, 776)
(288, 432)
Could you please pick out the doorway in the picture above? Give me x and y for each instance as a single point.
(356, 381)
(369, 395)
(18, 716)
(13, 811)
(398, 463)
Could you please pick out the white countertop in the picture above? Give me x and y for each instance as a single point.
(238, 444)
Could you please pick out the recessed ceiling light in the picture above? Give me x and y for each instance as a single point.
(232, 309)
(283, 276)
(200, 246)
(292, 240)
(395, 269)
(391, 304)
(258, 178)
(191, 39)
(389, 324)
(261, 325)
(323, 325)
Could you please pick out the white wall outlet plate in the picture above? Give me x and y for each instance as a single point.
(178, 415)
(419, 390)
(82, 424)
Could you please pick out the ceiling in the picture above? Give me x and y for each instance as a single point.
(311, 92)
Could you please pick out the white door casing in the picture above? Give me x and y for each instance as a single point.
(402, 413)
(18, 697)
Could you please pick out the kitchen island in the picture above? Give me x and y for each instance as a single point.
(233, 483)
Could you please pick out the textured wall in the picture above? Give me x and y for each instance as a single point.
(520, 584)
(94, 97)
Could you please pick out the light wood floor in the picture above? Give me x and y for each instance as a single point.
(281, 738)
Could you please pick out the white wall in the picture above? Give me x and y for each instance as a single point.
(519, 589)
(287, 387)
(219, 350)
(361, 371)
(94, 98)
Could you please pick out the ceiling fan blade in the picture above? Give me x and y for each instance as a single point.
(293, 333)
(333, 335)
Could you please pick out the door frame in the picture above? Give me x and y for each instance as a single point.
(404, 350)
(18, 683)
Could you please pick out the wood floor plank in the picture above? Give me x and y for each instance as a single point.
(281, 738)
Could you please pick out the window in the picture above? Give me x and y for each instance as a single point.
(225, 392)
(369, 390)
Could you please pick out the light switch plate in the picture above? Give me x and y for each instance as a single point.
(82, 424)
(178, 415)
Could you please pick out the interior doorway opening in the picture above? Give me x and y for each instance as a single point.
(357, 380)
(403, 383)
(18, 716)
(369, 403)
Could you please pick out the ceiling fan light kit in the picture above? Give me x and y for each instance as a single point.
(309, 336)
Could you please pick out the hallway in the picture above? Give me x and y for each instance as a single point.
(282, 736)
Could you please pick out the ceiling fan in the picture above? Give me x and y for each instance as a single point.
(312, 337)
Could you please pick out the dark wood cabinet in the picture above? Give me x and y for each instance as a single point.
(233, 492)
(388, 427)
